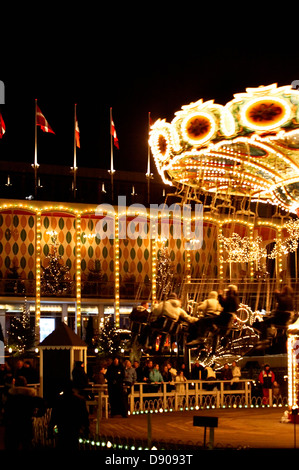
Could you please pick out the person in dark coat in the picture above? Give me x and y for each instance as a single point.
(197, 371)
(21, 406)
(139, 323)
(69, 417)
(115, 377)
(281, 317)
(266, 379)
(285, 306)
(230, 303)
(80, 378)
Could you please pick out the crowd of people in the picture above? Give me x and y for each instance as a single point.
(121, 377)
(70, 415)
(20, 403)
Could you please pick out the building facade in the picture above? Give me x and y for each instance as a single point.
(70, 262)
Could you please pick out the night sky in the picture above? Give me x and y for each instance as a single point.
(134, 73)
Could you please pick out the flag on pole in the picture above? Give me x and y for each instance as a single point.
(113, 133)
(42, 122)
(150, 121)
(77, 133)
(2, 127)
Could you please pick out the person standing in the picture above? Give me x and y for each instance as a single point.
(181, 387)
(167, 378)
(266, 379)
(197, 371)
(146, 371)
(80, 378)
(236, 372)
(155, 377)
(115, 377)
(69, 417)
(226, 375)
(21, 406)
(139, 371)
(130, 375)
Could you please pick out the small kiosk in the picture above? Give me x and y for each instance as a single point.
(58, 353)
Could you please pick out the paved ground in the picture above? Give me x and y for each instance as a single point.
(254, 428)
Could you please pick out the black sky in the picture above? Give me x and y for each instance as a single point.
(134, 72)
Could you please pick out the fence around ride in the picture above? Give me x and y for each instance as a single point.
(176, 396)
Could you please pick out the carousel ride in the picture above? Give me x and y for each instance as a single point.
(230, 158)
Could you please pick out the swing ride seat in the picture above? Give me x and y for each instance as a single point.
(137, 326)
(165, 325)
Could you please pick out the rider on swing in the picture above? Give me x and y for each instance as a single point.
(223, 316)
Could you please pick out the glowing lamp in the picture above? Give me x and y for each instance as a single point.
(293, 366)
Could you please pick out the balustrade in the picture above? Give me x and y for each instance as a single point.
(175, 396)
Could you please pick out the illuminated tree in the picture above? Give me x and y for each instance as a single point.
(109, 340)
(164, 279)
(21, 335)
(55, 279)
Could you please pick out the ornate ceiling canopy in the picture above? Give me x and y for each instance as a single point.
(248, 147)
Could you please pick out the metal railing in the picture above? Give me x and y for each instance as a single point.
(175, 396)
(256, 293)
(191, 394)
(194, 395)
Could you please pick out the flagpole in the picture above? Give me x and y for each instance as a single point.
(148, 175)
(111, 171)
(35, 164)
(75, 154)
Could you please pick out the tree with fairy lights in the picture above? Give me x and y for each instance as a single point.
(109, 341)
(164, 279)
(21, 335)
(55, 277)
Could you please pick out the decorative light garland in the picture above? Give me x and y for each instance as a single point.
(78, 273)
(243, 249)
(116, 270)
(38, 273)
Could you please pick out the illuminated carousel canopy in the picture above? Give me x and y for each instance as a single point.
(248, 147)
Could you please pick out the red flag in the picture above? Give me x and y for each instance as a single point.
(2, 127)
(42, 122)
(113, 133)
(150, 121)
(77, 134)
